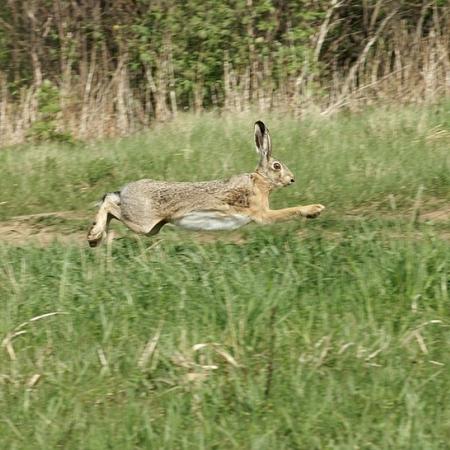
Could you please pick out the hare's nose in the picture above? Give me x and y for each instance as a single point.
(292, 180)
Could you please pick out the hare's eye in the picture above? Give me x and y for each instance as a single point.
(276, 166)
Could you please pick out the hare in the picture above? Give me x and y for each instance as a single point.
(145, 206)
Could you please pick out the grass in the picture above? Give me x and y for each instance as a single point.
(346, 162)
(331, 333)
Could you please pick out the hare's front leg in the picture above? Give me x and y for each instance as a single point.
(311, 211)
(278, 215)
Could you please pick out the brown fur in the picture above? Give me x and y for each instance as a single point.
(146, 205)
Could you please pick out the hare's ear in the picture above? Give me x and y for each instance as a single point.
(262, 140)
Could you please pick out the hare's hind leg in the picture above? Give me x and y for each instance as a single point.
(149, 227)
(109, 209)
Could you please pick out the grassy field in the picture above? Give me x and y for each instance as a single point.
(324, 334)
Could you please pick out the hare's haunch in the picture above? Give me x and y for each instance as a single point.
(145, 206)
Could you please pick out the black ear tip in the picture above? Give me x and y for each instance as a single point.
(260, 125)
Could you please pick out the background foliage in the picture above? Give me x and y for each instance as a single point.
(118, 65)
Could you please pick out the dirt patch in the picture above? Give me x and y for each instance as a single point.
(43, 229)
(19, 233)
(439, 215)
(70, 227)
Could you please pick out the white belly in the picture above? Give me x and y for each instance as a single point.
(211, 221)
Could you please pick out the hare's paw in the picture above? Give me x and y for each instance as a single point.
(312, 211)
(95, 235)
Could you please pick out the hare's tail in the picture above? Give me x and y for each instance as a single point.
(114, 197)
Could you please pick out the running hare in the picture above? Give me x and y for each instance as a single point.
(145, 206)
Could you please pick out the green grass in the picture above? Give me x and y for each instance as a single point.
(324, 334)
(345, 162)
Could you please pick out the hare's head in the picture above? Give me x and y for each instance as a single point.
(270, 168)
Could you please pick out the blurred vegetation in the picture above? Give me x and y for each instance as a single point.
(45, 127)
(115, 66)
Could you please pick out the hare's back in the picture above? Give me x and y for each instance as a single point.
(144, 200)
(167, 191)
